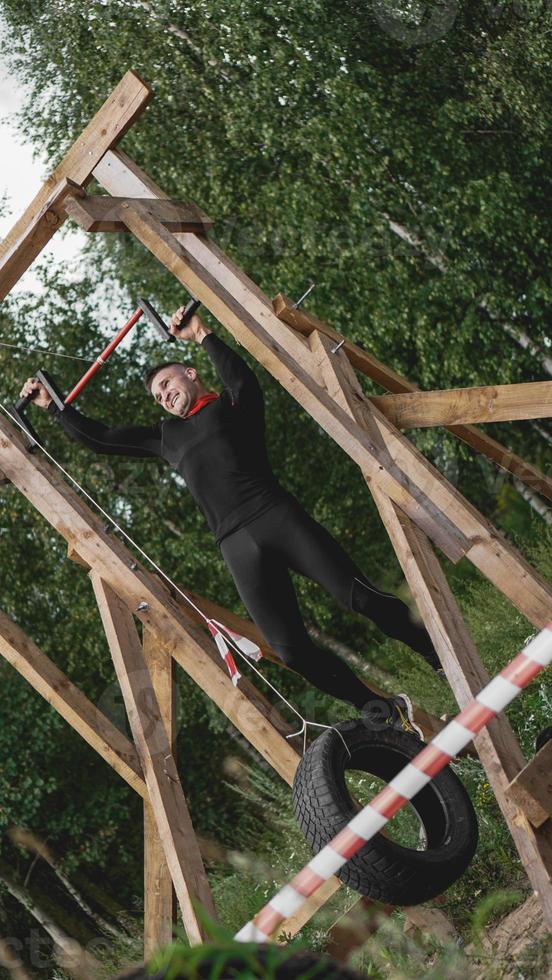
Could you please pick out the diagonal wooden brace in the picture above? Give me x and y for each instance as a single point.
(15, 259)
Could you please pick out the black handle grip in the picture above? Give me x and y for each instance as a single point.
(21, 405)
(191, 307)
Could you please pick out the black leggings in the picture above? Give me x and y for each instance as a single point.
(259, 556)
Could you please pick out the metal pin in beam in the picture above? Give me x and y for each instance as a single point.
(304, 296)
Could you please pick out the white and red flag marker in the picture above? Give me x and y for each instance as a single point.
(248, 647)
(433, 757)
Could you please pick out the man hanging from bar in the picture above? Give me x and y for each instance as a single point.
(217, 444)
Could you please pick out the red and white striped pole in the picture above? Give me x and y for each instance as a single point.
(448, 743)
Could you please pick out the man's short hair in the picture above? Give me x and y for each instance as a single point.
(149, 376)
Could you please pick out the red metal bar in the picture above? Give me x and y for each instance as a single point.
(100, 361)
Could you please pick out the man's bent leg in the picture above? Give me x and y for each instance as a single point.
(267, 592)
(311, 550)
(393, 618)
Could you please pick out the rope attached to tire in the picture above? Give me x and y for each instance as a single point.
(494, 697)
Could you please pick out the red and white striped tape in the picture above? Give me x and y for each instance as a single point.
(448, 743)
(248, 647)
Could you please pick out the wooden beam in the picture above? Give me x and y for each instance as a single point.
(430, 501)
(458, 406)
(102, 214)
(29, 235)
(304, 323)
(497, 746)
(531, 790)
(159, 895)
(160, 772)
(83, 716)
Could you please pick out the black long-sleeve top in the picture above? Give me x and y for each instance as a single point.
(220, 451)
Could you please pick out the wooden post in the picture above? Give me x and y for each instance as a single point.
(159, 904)
(165, 791)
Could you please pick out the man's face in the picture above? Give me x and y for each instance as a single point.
(175, 388)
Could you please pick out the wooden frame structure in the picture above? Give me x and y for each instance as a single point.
(418, 507)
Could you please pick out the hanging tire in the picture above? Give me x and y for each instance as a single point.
(442, 819)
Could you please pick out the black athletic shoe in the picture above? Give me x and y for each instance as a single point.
(395, 712)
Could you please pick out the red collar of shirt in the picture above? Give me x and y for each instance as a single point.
(204, 400)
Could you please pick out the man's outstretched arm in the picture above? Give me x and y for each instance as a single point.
(233, 371)
(130, 440)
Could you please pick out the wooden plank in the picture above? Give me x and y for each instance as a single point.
(208, 275)
(159, 896)
(531, 790)
(496, 745)
(457, 406)
(252, 715)
(127, 101)
(83, 716)
(165, 791)
(479, 440)
(102, 214)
